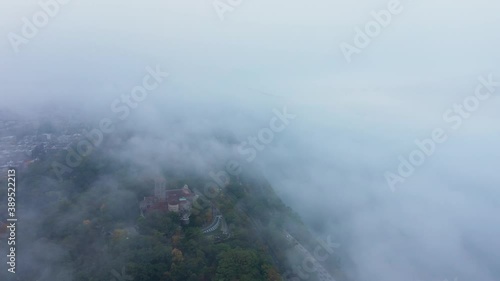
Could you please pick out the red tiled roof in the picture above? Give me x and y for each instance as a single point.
(174, 197)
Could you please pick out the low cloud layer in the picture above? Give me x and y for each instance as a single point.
(353, 120)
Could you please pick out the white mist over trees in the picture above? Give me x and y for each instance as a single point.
(353, 120)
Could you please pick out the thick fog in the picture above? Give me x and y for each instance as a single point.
(354, 120)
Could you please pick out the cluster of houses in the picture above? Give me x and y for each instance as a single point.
(19, 150)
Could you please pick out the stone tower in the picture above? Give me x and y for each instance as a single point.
(161, 189)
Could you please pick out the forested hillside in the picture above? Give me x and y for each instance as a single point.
(88, 227)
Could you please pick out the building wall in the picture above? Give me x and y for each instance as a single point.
(173, 208)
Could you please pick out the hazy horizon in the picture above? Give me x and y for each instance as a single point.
(352, 119)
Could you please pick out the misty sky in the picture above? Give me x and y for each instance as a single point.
(353, 119)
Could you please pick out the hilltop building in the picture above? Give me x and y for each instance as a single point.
(173, 200)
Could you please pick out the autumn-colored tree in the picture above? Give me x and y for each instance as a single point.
(177, 256)
(118, 234)
(271, 273)
(208, 216)
(176, 239)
